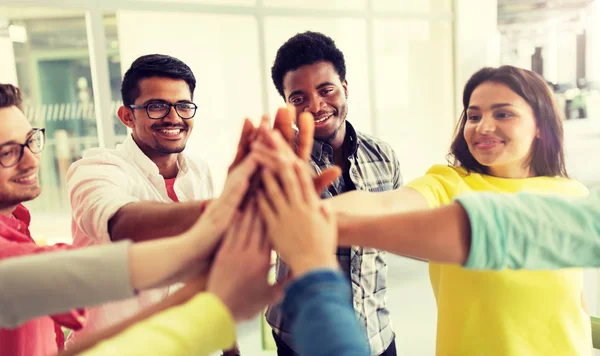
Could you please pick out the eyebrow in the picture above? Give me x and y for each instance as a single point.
(495, 106)
(165, 101)
(13, 141)
(296, 92)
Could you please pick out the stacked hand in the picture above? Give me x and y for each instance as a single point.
(270, 200)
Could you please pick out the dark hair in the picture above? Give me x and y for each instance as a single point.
(154, 65)
(547, 156)
(10, 95)
(305, 49)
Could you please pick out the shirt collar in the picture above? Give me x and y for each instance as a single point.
(351, 139)
(19, 221)
(145, 163)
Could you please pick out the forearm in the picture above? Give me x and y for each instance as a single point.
(163, 262)
(147, 220)
(179, 297)
(321, 314)
(441, 235)
(363, 203)
(533, 231)
(56, 282)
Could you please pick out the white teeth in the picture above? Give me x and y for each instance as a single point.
(323, 119)
(26, 179)
(170, 132)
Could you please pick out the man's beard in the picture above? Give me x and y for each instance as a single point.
(331, 137)
(12, 199)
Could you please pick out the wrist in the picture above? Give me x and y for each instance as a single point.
(302, 267)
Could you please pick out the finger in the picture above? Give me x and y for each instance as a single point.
(253, 187)
(326, 178)
(273, 192)
(306, 126)
(275, 293)
(305, 185)
(231, 233)
(267, 213)
(327, 210)
(244, 143)
(238, 184)
(275, 141)
(284, 120)
(265, 156)
(246, 227)
(290, 184)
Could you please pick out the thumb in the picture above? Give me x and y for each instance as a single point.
(326, 178)
(276, 292)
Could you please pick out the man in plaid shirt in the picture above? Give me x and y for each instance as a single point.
(309, 72)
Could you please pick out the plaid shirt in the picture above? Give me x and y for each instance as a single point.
(373, 167)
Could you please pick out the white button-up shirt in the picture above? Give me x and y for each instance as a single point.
(105, 180)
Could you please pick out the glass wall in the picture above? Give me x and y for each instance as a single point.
(399, 69)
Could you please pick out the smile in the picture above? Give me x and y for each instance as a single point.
(170, 133)
(323, 119)
(30, 179)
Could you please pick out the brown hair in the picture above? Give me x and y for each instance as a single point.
(547, 155)
(10, 95)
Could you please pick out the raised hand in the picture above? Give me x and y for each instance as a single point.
(299, 225)
(240, 270)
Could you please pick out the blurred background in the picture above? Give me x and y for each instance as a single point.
(407, 62)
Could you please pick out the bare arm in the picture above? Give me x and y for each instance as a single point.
(441, 235)
(363, 203)
(146, 220)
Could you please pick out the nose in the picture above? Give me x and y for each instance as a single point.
(487, 124)
(29, 160)
(316, 104)
(172, 117)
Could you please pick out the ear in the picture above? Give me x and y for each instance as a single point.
(537, 133)
(345, 86)
(126, 116)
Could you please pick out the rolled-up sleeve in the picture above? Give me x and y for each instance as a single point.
(98, 187)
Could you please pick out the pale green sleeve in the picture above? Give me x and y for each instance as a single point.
(199, 327)
(532, 231)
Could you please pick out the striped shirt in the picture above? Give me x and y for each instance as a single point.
(374, 167)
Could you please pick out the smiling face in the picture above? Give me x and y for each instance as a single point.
(18, 183)
(317, 88)
(500, 130)
(159, 137)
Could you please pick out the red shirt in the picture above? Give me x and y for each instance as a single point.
(170, 183)
(42, 336)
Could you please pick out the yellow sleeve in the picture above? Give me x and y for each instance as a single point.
(439, 185)
(199, 327)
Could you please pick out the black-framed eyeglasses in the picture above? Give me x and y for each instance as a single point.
(160, 109)
(11, 153)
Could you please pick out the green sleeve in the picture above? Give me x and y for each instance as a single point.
(531, 231)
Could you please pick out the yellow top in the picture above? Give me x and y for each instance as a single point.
(505, 312)
(199, 327)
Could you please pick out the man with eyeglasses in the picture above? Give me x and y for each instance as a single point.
(20, 148)
(128, 192)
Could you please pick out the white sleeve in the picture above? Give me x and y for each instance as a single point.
(98, 187)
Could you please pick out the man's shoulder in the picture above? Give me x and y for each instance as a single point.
(373, 141)
(375, 145)
(100, 161)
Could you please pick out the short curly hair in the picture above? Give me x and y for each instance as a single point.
(305, 49)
